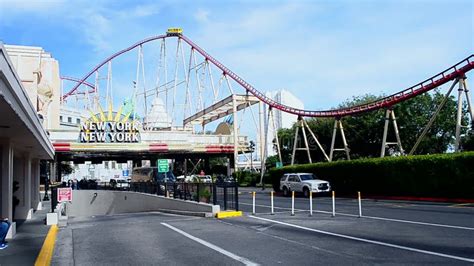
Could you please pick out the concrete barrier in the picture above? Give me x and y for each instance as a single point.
(103, 202)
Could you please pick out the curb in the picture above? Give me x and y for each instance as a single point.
(228, 214)
(187, 213)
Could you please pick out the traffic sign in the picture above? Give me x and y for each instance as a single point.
(64, 194)
(163, 166)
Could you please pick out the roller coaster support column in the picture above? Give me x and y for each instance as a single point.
(275, 132)
(265, 149)
(262, 141)
(462, 88)
(316, 139)
(236, 133)
(433, 117)
(295, 139)
(301, 124)
(390, 115)
(468, 100)
(338, 125)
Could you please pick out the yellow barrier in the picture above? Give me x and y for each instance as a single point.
(227, 214)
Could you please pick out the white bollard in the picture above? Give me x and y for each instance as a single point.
(292, 203)
(253, 203)
(360, 205)
(311, 203)
(333, 203)
(271, 197)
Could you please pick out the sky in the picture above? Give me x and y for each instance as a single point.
(324, 52)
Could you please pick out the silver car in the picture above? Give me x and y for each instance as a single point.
(303, 182)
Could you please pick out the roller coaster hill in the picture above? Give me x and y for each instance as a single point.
(183, 90)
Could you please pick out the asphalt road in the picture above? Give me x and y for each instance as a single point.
(423, 234)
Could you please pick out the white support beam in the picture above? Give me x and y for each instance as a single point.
(338, 126)
(459, 117)
(390, 116)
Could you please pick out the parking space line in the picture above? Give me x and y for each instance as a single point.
(374, 218)
(211, 246)
(366, 240)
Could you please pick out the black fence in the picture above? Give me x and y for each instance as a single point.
(225, 194)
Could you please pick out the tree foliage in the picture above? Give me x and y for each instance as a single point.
(436, 175)
(364, 132)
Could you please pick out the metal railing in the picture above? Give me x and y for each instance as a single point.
(225, 194)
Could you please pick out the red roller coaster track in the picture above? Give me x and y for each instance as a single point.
(93, 89)
(456, 71)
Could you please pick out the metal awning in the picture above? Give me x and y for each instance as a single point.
(221, 109)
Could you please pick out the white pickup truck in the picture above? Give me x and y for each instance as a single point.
(303, 182)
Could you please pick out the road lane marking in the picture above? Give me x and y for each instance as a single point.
(212, 246)
(366, 240)
(462, 205)
(46, 252)
(372, 217)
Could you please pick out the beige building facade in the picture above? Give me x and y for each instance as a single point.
(39, 74)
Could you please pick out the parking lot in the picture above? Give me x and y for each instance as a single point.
(392, 232)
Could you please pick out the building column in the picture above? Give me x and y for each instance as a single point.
(35, 184)
(22, 174)
(6, 184)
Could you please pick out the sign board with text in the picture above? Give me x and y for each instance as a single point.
(64, 194)
(163, 166)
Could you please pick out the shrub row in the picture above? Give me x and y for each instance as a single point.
(246, 177)
(439, 175)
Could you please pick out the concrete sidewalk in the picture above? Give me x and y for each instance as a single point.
(26, 245)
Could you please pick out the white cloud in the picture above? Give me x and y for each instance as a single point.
(202, 15)
(282, 47)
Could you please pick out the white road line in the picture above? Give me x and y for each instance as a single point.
(212, 246)
(374, 217)
(366, 240)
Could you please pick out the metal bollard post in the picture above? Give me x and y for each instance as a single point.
(253, 203)
(311, 203)
(333, 203)
(236, 196)
(271, 199)
(292, 203)
(360, 204)
(225, 197)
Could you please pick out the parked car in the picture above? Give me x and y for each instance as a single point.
(199, 179)
(303, 182)
(224, 179)
(119, 183)
(150, 174)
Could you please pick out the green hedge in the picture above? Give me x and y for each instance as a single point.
(439, 175)
(247, 178)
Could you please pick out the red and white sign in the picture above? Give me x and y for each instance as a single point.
(64, 194)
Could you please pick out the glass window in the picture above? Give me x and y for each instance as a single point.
(60, 118)
(306, 177)
(69, 119)
(294, 178)
(78, 121)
